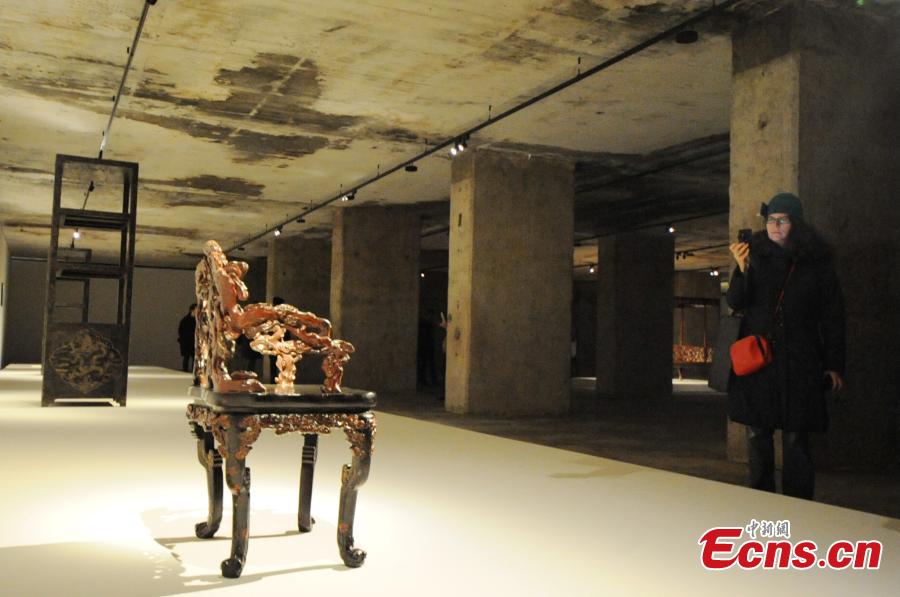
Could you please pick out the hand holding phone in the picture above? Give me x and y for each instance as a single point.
(741, 249)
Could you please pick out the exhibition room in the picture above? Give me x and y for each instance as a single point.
(542, 297)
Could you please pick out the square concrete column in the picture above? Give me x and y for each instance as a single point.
(510, 288)
(814, 112)
(635, 282)
(375, 294)
(298, 270)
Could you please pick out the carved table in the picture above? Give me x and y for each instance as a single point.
(227, 424)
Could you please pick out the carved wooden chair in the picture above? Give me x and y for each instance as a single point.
(232, 407)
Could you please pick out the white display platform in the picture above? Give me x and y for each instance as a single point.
(102, 501)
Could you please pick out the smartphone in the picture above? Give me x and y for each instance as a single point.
(744, 235)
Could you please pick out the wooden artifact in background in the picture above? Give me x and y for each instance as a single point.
(83, 358)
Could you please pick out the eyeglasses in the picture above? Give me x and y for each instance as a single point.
(778, 221)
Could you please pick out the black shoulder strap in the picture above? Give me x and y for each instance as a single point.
(783, 285)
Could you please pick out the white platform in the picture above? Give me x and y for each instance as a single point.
(102, 501)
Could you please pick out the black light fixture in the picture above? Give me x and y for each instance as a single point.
(411, 168)
(277, 231)
(301, 220)
(349, 196)
(671, 229)
(687, 36)
(459, 145)
(592, 269)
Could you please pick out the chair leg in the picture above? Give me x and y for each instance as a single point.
(307, 469)
(352, 477)
(240, 433)
(212, 462)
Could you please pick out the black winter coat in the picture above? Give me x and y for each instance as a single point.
(807, 339)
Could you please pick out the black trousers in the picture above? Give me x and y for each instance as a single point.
(187, 362)
(798, 477)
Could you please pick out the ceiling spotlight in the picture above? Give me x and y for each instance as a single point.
(76, 235)
(686, 36)
(301, 220)
(714, 273)
(277, 231)
(459, 145)
(411, 168)
(348, 196)
(671, 229)
(592, 269)
(422, 274)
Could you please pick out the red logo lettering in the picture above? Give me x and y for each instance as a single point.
(836, 555)
(712, 545)
(804, 555)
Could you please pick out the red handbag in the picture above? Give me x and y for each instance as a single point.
(752, 353)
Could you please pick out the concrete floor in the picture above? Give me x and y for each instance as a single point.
(103, 501)
(685, 435)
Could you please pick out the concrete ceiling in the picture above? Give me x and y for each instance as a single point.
(243, 113)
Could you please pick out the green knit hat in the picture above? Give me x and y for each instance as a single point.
(783, 203)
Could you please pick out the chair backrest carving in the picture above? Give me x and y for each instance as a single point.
(282, 331)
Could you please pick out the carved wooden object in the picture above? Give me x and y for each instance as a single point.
(226, 425)
(83, 358)
(282, 331)
(233, 407)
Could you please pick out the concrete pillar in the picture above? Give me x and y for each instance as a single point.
(635, 277)
(815, 96)
(255, 279)
(299, 271)
(375, 294)
(510, 288)
(4, 292)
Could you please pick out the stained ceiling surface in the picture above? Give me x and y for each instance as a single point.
(241, 114)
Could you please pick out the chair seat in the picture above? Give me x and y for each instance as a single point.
(306, 399)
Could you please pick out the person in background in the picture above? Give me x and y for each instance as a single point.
(807, 336)
(186, 328)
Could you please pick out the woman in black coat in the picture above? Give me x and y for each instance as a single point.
(807, 339)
